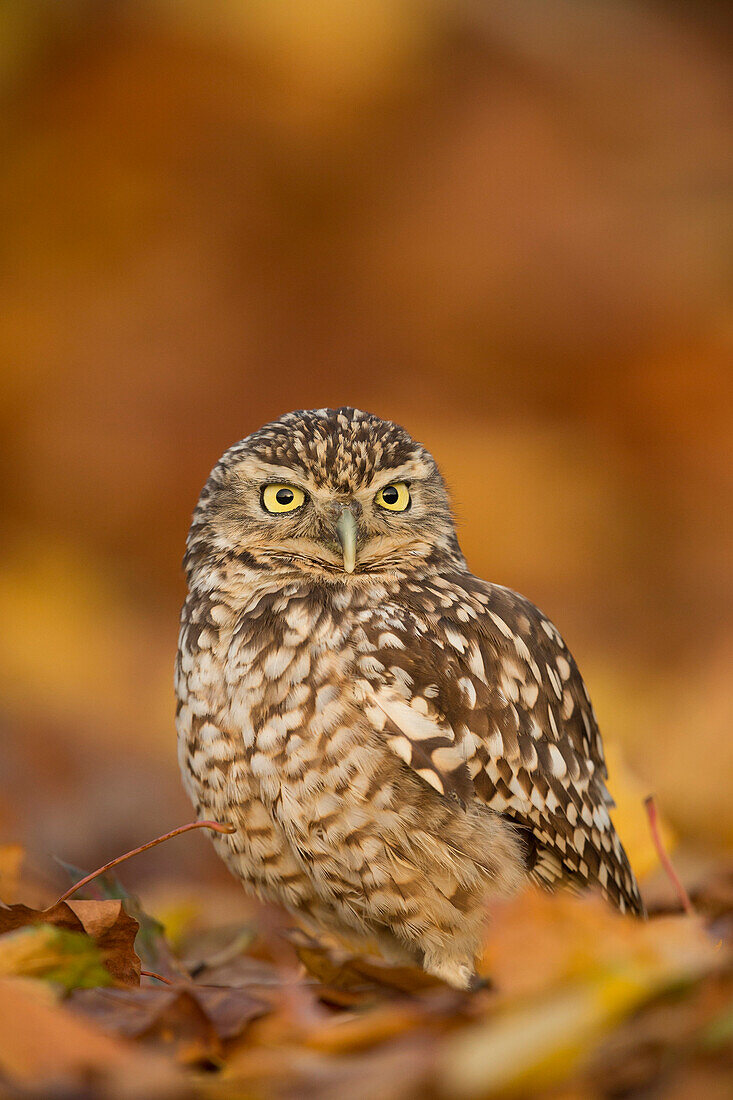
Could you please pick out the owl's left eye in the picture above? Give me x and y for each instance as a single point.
(395, 497)
(282, 498)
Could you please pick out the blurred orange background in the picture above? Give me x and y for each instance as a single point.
(504, 224)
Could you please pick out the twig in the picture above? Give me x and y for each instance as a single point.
(215, 825)
(650, 806)
(152, 974)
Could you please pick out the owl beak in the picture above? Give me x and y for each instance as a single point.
(346, 529)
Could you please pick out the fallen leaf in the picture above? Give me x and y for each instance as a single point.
(533, 1046)
(341, 970)
(230, 1010)
(197, 1020)
(539, 940)
(239, 972)
(169, 1018)
(114, 931)
(106, 922)
(601, 968)
(69, 959)
(45, 1047)
(19, 916)
(216, 947)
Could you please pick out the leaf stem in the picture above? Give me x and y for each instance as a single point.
(152, 974)
(650, 806)
(215, 825)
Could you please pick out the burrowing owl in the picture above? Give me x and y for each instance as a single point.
(393, 738)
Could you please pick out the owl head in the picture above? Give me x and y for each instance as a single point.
(337, 493)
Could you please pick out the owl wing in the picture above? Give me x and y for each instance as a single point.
(475, 689)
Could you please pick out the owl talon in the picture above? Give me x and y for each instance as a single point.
(478, 983)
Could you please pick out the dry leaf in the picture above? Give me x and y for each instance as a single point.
(69, 959)
(106, 922)
(240, 972)
(170, 1018)
(44, 1047)
(197, 1019)
(539, 940)
(401, 1070)
(341, 970)
(114, 932)
(230, 1010)
(536, 1045)
(569, 969)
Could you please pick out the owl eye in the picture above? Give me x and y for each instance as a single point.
(395, 498)
(282, 498)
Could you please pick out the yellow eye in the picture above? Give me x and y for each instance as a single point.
(282, 498)
(395, 498)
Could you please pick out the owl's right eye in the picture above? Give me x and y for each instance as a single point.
(282, 498)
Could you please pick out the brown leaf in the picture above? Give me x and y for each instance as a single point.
(106, 922)
(341, 970)
(356, 973)
(19, 916)
(196, 1019)
(239, 972)
(167, 1017)
(229, 1010)
(114, 931)
(44, 1047)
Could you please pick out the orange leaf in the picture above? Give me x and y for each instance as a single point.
(45, 1048)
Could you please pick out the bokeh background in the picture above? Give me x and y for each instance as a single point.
(505, 224)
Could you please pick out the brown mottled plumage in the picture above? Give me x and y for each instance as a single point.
(393, 738)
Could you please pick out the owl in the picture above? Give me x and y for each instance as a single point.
(393, 740)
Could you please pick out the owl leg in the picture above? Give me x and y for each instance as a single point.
(367, 939)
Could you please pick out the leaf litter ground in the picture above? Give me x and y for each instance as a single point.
(97, 1000)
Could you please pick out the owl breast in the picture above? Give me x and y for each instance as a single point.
(262, 740)
(329, 821)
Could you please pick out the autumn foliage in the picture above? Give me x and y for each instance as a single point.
(275, 1013)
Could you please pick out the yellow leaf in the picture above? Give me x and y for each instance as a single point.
(536, 1042)
(629, 816)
